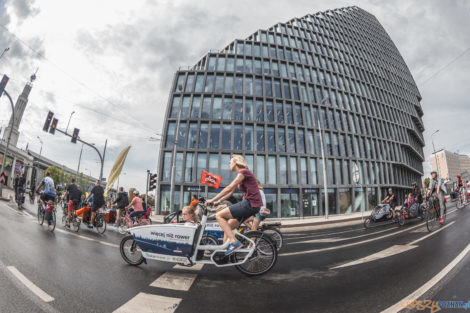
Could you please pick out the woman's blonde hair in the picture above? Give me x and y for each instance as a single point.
(191, 210)
(260, 187)
(239, 161)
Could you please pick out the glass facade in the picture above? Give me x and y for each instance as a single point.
(266, 97)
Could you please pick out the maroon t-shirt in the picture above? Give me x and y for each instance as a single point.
(249, 187)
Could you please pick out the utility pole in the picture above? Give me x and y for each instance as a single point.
(147, 187)
(435, 155)
(9, 137)
(325, 182)
(79, 159)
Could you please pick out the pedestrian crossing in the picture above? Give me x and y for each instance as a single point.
(171, 280)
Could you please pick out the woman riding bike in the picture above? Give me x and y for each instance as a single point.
(228, 218)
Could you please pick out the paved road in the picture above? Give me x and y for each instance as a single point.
(343, 269)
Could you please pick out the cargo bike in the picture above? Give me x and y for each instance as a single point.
(189, 245)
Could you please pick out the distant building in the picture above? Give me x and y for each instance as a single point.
(449, 164)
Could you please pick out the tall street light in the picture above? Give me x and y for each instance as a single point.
(89, 172)
(325, 182)
(173, 159)
(69, 121)
(5, 50)
(434, 153)
(40, 151)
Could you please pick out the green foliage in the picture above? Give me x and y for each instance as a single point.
(426, 182)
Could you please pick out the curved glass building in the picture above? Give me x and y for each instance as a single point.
(333, 77)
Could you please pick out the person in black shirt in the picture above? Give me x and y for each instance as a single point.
(74, 194)
(19, 182)
(98, 201)
(391, 199)
(122, 201)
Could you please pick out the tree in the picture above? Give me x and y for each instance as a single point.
(54, 173)
(426, 182)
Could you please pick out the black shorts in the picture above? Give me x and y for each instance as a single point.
(242, 210)
(46, 198)
(96, 206)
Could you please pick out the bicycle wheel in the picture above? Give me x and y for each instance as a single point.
(460, 204)
(276, 236)
(207, 240)
(367, 222)
(263, 258)
(75, 225)
(432, 220)
(40, 215)
(100, 223)
(401, 219)
(51, 225)
(130, 252)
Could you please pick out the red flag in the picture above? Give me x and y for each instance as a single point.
(210, 179)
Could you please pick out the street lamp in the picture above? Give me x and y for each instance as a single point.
(89, 172)
(40, 151)
(325, 182)
(434, 153)
(69, 121)
(173, 159)
(5, 50)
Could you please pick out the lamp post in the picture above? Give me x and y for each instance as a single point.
(159, 138)
(69, 121)
(434, 153)
(5, 50)
(173, 159)
(325, 182)
(80, 158)
(89, 172)
(40, 151)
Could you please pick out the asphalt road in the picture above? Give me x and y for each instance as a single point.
(342, 269)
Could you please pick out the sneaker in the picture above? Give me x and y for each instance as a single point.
(67, 226)
(441, 220)
(233, 247)
(90, 226)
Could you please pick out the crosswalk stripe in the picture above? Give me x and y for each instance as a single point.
(175, 281)
(148, 303)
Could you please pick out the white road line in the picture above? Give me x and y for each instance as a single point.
(175, 281)
(30, 285)
(196, 267)
(302, 236)
(148, 303)
(340, 239)
(429, 284)
(396, 249)
(430, 234)
(87, 238)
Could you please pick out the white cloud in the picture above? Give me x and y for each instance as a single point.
(113, 62)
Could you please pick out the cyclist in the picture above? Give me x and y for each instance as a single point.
(438, 189)
(73, 194)
(249, 206)
(263, 211)
(461, 184)
(122, 200)
(98, 201)
(416, 193)
(49, 191)
(136, 203)
(19, 185)
(391, 199)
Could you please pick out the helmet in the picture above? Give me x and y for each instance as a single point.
(433, 172)
(136, 192)
(458, 175)
(414, 184)
(390, 190)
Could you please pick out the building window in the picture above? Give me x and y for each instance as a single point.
(175, 107)
(259, 111)
(214, 163)
(206, 108)
(179, 167)
(227, 115)
(166, 166)
(283, 170)
(260, 138)
(182, 135)
(203, 134)
(271, 139)
(290, 202)
(201, 164)
(237, 137)
(170, 135)
(281, 139)
(227, 137)
(260, 173)
(248, 138)
(345, 200)
(217, 108)
(293, 170)
(195, 107)
(238, 109)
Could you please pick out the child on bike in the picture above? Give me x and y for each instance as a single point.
(189, 216)
(409, 201)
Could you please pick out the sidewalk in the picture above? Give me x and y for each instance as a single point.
(299, 223)
(7, 194)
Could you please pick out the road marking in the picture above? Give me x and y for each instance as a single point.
(148, 303)
(175, 281)
(396, 249)
(30, 285)
(322, 234)
(353, 243)
(87, 238)
(196, 267)
(392, 250)
(340, 239)
(429, 284)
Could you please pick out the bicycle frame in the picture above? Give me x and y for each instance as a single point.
(165, 237)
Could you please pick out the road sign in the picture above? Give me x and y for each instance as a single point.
(2, 178)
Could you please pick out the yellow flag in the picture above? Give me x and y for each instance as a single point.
(116, 170)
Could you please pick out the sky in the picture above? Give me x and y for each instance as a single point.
(112, 62)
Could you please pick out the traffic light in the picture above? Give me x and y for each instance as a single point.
(3, 84)
(152, 182)
(48, 121)
(75, 135)
(53, 126)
